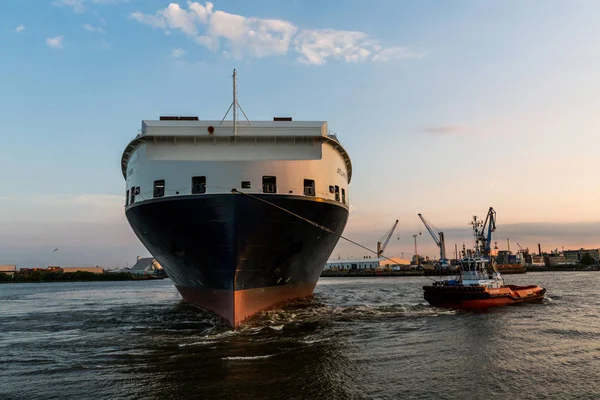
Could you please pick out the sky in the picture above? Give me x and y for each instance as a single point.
(446, 108)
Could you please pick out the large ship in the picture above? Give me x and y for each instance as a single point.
(242, 215)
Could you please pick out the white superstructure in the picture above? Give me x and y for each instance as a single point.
(180, 157)
(477, 271)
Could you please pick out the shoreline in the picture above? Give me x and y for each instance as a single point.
(111, 277)
(59, 277)
(337, 274)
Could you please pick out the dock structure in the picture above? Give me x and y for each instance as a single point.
(9, 270)
(367, 263)
(146, 266)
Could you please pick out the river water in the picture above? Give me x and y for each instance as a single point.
(359, 338)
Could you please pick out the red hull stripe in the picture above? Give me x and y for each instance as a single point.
(237, 306)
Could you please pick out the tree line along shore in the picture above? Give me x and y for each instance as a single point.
(79, 276)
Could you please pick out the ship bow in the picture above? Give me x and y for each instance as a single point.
(236, 255)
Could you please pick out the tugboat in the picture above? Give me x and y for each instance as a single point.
(479, 285)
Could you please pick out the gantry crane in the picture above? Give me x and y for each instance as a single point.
(438, 238)
(385, 239)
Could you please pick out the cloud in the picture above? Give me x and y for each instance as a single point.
(90, 28)
(397, 53)
(238, 36)
(316, 46)
(56, 42)
(155, 21)
(448, 130)
(78, 6)
(20, 28)
(176, 53)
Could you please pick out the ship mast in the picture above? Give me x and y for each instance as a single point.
(235, 105)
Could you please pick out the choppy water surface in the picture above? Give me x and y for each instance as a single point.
(363, 338)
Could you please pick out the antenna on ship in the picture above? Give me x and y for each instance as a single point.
(235, 105)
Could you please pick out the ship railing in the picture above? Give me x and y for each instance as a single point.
(333, 135)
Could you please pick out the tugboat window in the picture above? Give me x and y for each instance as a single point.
(269, 184)
(309, 187)
(344, 196)
(132, 198)
(245, 184)
(159, 188)
(198, 184)
(337, 193)
(127, 198)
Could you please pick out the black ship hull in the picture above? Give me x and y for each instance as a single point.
(236, 255)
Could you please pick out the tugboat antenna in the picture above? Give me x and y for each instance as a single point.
(235, 105)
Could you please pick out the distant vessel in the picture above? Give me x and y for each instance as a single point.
(220, 204)
(479, 284)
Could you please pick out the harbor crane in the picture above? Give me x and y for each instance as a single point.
(383, 242)
(522, 249)
(438, 238)
(484, 240)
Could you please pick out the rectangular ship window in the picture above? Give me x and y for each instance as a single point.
(127, 198)
(132, 195)
(344, 196)
(198, 184)
(331, 189)
(159, 188)
(309, 187)
(269, 184)
(245, 184)
(337, 193)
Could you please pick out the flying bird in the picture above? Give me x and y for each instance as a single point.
(55, 249)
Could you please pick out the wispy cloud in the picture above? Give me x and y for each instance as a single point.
(240, 36)
(79, 6)
(20, 28)
(176, 53)
(315, 46)
(56, 42)
(449, 130)
(90, 28)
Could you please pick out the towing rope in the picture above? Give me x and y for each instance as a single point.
(324, 228)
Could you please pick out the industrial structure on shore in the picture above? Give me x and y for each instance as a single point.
(507, 261)
(143, 267)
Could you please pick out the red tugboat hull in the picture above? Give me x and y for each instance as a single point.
(479, 297)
